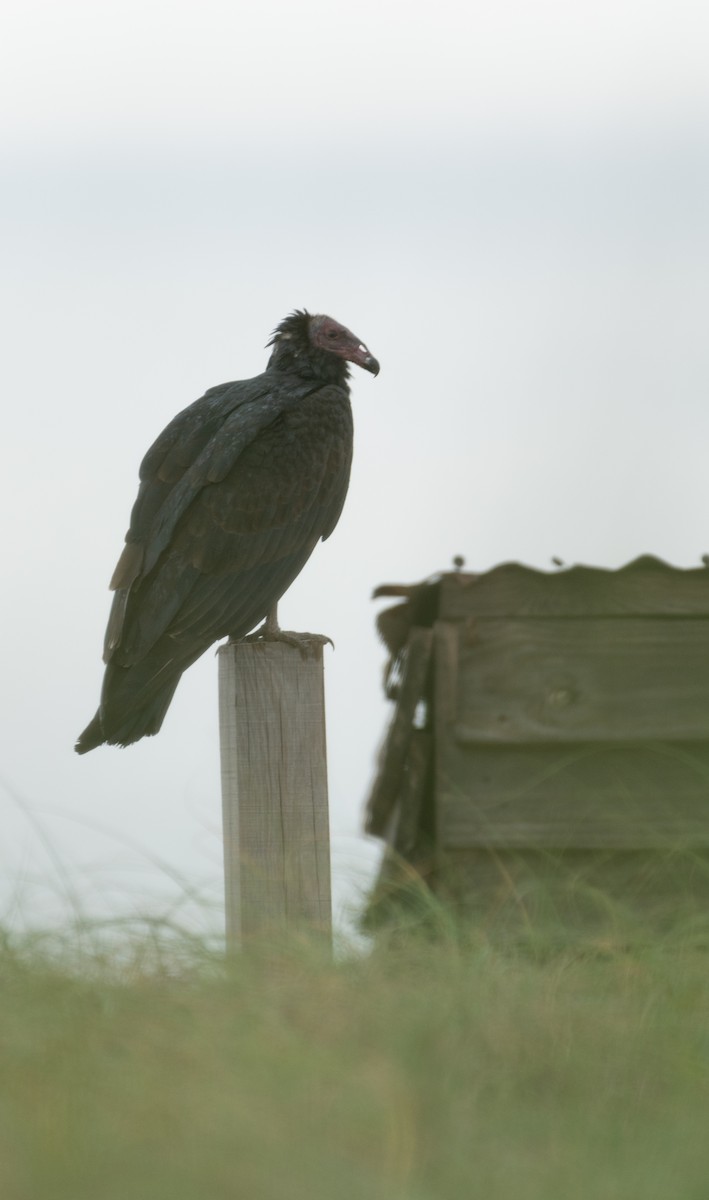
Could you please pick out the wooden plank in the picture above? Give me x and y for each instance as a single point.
(646, 587)
(388, 782)
(446, 641)
(573, 890)
(274, 790)
(416, 784)
(617, 679)
(577, 796)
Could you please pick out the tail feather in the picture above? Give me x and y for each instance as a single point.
(91, 737)
(135, 699)
(138, 723)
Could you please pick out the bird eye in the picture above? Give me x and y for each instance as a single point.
(332, 333)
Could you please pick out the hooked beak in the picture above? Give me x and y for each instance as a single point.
(362, 358)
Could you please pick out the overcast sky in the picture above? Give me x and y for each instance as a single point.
(508, 202)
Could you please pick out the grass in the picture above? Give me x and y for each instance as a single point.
(431, 1067)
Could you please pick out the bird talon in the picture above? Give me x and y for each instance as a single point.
(305, 643)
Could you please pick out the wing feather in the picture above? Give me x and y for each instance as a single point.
(209, 555)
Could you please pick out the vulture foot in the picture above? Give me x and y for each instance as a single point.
(305, 643)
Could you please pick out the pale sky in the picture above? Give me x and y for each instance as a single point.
(508, 202)
(132, 73)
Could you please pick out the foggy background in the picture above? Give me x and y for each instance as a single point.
(509, 203)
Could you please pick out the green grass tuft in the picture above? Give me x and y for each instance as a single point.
(431, 1067)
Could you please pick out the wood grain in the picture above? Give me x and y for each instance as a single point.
(616, 679)
(274, 790)
(581, 796)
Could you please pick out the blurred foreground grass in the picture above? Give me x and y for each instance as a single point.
(429, 1068)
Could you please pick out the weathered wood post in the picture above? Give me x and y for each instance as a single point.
(274, 790)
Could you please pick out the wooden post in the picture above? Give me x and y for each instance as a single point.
(274, 790)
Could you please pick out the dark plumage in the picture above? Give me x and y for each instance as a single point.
(234, 496)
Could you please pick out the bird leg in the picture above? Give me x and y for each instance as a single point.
(271, 631)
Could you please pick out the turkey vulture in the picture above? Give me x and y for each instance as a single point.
(234, 496)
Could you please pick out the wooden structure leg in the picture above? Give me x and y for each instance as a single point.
(274, 790)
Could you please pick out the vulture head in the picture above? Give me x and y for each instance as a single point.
(318, 345)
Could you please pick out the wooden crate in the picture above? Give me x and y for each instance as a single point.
(566, 717)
